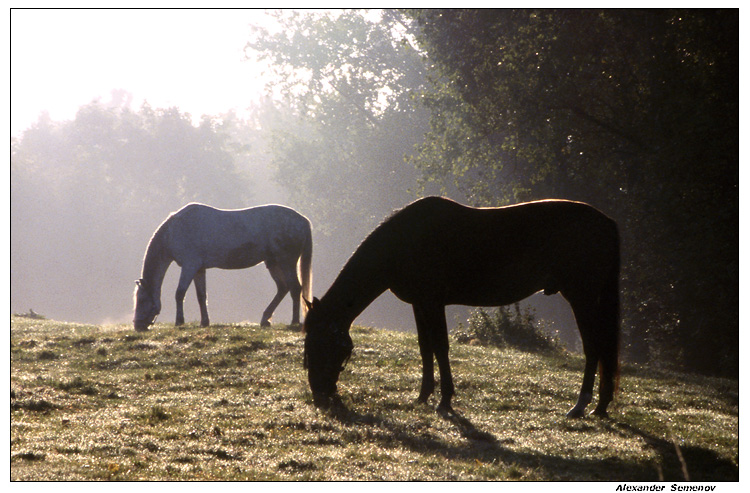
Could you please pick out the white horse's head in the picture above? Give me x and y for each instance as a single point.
(147, 306)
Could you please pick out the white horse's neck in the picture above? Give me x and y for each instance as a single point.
(155, 263)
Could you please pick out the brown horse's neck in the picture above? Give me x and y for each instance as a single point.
(363, 278)
(156, 261)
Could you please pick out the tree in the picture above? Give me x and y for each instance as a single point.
(346, 116)
(633, 111)
(87, 194)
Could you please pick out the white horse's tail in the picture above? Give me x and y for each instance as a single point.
(305, 270)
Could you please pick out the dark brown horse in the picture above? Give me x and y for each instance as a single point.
(436, 252)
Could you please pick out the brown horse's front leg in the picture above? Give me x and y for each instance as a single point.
(433, 340)
(440, 346)
(425, 350)
(428, 377)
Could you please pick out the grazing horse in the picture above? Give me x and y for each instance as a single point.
(200, 237)
(436, 252)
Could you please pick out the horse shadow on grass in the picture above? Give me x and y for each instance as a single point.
(682, 463)
(675, 463)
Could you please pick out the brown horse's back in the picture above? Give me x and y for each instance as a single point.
(496, 256)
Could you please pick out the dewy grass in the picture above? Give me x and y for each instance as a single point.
(231, 402)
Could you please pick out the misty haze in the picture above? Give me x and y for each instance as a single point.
(358, 119)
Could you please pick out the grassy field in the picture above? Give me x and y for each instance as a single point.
(231, 402)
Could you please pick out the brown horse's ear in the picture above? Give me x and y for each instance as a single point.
(316, 301)
(308, 305)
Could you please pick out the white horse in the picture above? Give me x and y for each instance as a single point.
(200, 237)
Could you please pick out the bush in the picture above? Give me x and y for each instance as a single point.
(506, 327)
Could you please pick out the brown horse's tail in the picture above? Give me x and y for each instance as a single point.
(305, 270)
(609, 311)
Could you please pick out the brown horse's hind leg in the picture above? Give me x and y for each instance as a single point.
(607, 378)
(587, 388)
(608, 340)
(586, 325)
(597, 316)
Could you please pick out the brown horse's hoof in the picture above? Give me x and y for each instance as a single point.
(423, 397)
(322, 401)
(600, 413)
(575, 413)
(265, 323)
(445, 409)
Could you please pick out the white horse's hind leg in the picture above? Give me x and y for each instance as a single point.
(295, 290)
(186, 277)
(200, 291)
(281, 290)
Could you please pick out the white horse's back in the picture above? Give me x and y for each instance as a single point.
(236, 238)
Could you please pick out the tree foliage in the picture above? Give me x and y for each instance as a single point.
(633, 111)
(345, 114)
(507, 327)
(87, 194)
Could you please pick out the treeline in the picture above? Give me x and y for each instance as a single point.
(87, 194)
(634, 111)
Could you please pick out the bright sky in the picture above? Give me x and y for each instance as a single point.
(192, 59)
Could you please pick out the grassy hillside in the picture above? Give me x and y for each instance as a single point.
(231, 402)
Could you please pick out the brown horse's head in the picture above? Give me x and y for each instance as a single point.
(328, 347)
(147, 306)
